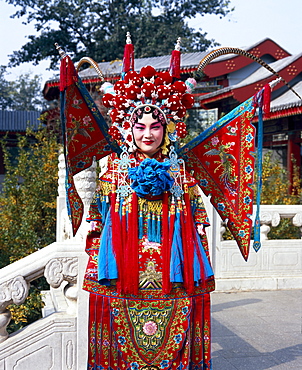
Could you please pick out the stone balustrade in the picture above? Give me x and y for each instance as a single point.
(278, 263)
(60, 263)
(271, 215)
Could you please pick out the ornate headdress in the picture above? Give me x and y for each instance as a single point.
(136, 90)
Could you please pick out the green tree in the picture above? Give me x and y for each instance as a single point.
(97, 28)
(6, 99)
(28, 199)
(24, 93)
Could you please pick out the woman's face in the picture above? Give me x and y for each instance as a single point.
(148, 134)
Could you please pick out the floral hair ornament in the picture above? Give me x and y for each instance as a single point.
(148, 88)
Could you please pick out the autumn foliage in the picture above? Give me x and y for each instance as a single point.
(28, 210)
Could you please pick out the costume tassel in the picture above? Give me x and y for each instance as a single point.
(131, 280)
(171, 220)
(117, 240)
(267, 100)
(68, 74)
(128, 60)
(177, 254)
(149, 225)
(175, 61)
(141, 224)
(188, 245)
(166, 245)
(257, 243)
(158, 229)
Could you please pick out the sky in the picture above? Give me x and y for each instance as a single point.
(250, 22)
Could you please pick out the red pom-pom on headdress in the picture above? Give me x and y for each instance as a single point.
(181, 130)
(179, 87)
(132, 91)
(158, 81)
(148, 89)
(120, 102)
(181, 111)
(166, 77)
(148, 72)
(119, 87)
(188, 100)
(163, 92)
(173, 102)
(132, 78)
(117, 115)
(107, 100)
(114, 133)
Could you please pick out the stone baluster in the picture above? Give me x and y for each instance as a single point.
(297, 221)
(64, 229)
(85, 182)
(61, 175)
(266, 219)
(222, 229)
(12, 291)
(62, 269)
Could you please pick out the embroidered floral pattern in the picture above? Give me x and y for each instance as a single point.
(226, 171)
(150, 328)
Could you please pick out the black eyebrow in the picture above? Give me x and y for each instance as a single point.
(143, 124)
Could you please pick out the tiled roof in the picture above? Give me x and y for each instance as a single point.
(162, 63)
(261, 74)
(18, 121)
(188, 61)
(288, 99)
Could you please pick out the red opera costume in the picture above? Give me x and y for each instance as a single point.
(148, 267)
(148, 327)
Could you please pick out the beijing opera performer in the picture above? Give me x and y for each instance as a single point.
(149, 295)
(149, 274)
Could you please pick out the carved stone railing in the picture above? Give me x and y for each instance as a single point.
(57, 262)
(63, 265)
(15, 291)
(278, 263)
(271, 215)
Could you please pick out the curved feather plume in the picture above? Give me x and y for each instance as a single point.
(93, 64)
(229, 50)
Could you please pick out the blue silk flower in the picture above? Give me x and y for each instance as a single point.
(151, 177)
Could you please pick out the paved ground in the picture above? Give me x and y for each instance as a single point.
(257, 330)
